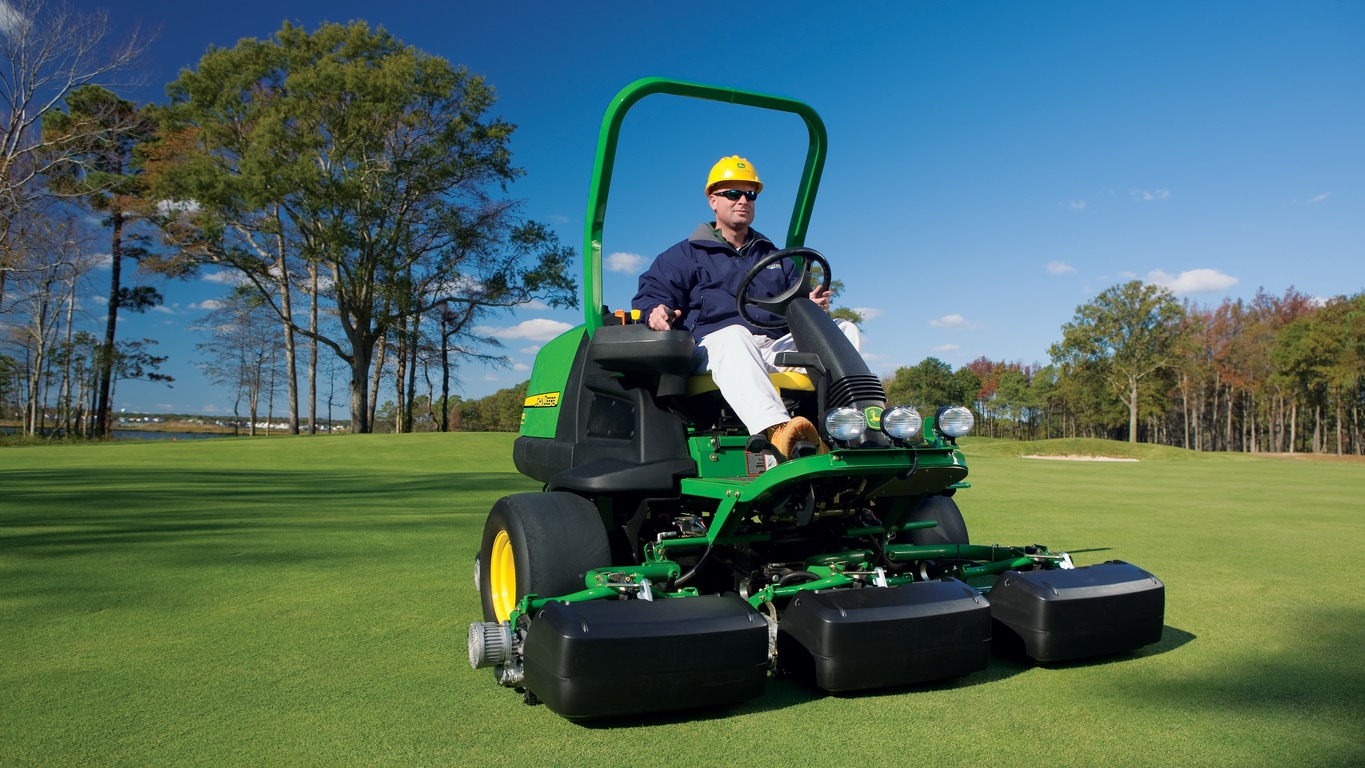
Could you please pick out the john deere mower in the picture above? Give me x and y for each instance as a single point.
(674, 561)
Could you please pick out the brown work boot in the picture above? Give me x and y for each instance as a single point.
(784, 437)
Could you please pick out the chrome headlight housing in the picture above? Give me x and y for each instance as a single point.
(902, 422)
(954, 421)
(845, 424)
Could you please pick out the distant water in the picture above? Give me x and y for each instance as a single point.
(145, 434)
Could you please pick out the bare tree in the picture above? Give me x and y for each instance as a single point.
(45, 304)
(47, 50)
(245, 349)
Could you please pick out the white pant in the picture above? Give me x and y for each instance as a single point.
(740, 362)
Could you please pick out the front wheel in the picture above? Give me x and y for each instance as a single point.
(538, 543)
(950, 528)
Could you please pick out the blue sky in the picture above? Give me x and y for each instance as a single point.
(992, 165)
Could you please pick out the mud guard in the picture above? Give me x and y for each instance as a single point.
(1059, 615)
(605, 658)
(859, 639)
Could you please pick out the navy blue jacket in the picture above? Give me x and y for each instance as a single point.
(699, 276)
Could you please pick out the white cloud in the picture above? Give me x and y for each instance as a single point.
(630, 263)
(1059, 268)
(1192, 281)
(531, 350)
(952, 322)
(534, 304)
(179, 206)
(12, 22)
(207, 304)
(1314, 200)
(1143, 195)
(225, 277)
(945, 348)
(1076, 205)
(869, 313)
(459, 285)
(539, 329)
(162, 308)
(521, 367)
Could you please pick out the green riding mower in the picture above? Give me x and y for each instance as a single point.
(674, 561)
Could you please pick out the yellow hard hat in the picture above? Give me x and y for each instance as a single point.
(732, 168)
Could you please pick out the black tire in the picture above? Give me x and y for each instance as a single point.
(545, 542)
(951, 529)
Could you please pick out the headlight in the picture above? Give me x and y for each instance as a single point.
(845, 423)
(902, 422)
(954, 421)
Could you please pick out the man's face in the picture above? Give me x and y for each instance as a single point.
(733, 214)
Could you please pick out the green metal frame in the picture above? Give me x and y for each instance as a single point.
(593, 306)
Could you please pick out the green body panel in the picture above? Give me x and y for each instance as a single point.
(723, 456)
(933, 470)
(545, 391)
(593, 307)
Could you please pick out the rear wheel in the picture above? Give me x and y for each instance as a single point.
(539, 543)
(950, 528)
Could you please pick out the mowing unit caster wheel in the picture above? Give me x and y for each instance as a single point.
(528, 698)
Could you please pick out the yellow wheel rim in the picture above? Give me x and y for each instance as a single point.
(502, 576)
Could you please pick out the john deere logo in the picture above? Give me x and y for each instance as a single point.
(873, 416)
(741, 165)
(546, 400)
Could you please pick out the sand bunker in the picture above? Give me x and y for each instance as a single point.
(1074, 457)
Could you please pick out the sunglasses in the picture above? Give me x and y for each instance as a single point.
(735, 194)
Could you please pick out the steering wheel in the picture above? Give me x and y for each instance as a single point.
(778, 304)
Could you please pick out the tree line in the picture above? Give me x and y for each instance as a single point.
(352, 189)
(1279, 373)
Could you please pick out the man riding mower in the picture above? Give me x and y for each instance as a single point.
(676, 557)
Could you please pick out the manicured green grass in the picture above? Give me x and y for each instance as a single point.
(305, 602)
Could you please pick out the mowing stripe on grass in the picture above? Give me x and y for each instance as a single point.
(305, 602)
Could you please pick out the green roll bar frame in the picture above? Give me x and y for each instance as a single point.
(593, 307)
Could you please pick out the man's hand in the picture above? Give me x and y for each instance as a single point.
(661, 318)
(821, 296)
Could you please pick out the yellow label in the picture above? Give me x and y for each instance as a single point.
(544, 400)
